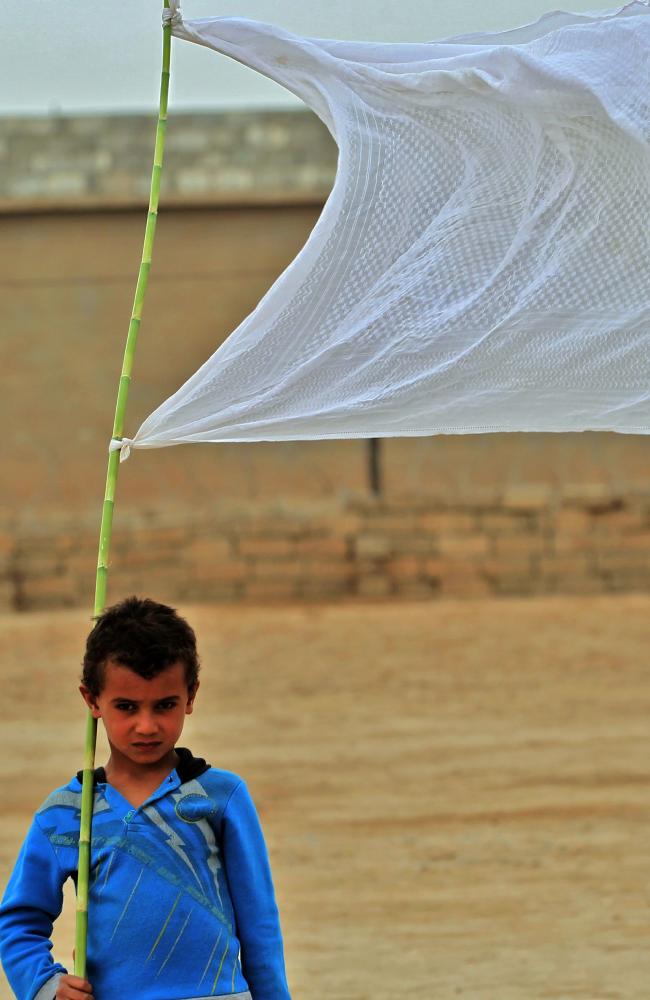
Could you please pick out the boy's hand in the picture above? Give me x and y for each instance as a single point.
(73, 988)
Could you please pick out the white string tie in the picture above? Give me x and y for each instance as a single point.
(172, 14)
(123, 445)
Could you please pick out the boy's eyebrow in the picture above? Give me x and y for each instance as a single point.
(133, 701)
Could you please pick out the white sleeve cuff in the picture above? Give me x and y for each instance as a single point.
(49, 988)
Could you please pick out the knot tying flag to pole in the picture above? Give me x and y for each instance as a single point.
(123, 445)
(172, 15)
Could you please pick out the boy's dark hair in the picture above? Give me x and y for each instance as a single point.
(143, 635)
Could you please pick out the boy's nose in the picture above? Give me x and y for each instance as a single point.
(145, 725)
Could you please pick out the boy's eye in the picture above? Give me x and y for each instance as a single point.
(162, 706)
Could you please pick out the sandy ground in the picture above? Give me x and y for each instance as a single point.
(455, 795)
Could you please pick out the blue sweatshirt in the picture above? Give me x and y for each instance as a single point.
(181, 900)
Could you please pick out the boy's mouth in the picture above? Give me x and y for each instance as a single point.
(141, 745)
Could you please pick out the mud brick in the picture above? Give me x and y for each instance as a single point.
(574, 584)
(551, 565)
(81, 563)
(448, 523)
(34, 543)
(623, 561)
(514, 585)
(141, 558)
(511, 575)
(178, 536)
(565, 575)
(433, 570)
(528, 498)
(8, 596)
(414, 503)
(586, 494)
(505, 522)
(630, 580)
(459, 574)
(269, 548)
(169, 536)
(271, 528)
(34, 539)
(374, 586)
(328, 546)
(373, 546)
(394, 524)
(122, 582)
(481, 499)
(605, 508)
(619, 522)
(464, 581)
(211, 550)
(159, 582)
(210, 590)
(344, 525)
(278, 570)
(222, 571)
(269, 590)
(422, 544)
(564, 543)
(305, 526)
(417, 589)
(325, 571)
(572, 521)
(65, 543)
(48, 592)
(363, 503)
(320, 589)
(530, 544)
(37, 566)
(464, 545)
(404, 568)
(638, 542)
(510, 565)
(83, 586)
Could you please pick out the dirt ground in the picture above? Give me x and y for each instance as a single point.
(455, 795)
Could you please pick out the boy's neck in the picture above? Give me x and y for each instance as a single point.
(140, 778)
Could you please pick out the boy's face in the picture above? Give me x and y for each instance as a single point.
(143, 718)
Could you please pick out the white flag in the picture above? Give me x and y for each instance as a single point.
(483, 261)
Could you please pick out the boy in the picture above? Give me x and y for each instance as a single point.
(181, 899)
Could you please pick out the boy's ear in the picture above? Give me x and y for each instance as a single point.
(90, 700)
(191, 695)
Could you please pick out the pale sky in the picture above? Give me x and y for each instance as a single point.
(73, 56)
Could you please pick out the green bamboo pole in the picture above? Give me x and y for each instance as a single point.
(83, 870)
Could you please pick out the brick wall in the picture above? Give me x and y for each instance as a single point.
(527, 541)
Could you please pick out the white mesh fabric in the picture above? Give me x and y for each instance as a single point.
(482, 263)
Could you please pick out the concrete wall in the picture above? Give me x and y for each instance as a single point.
(463, 515)
(105, 160)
